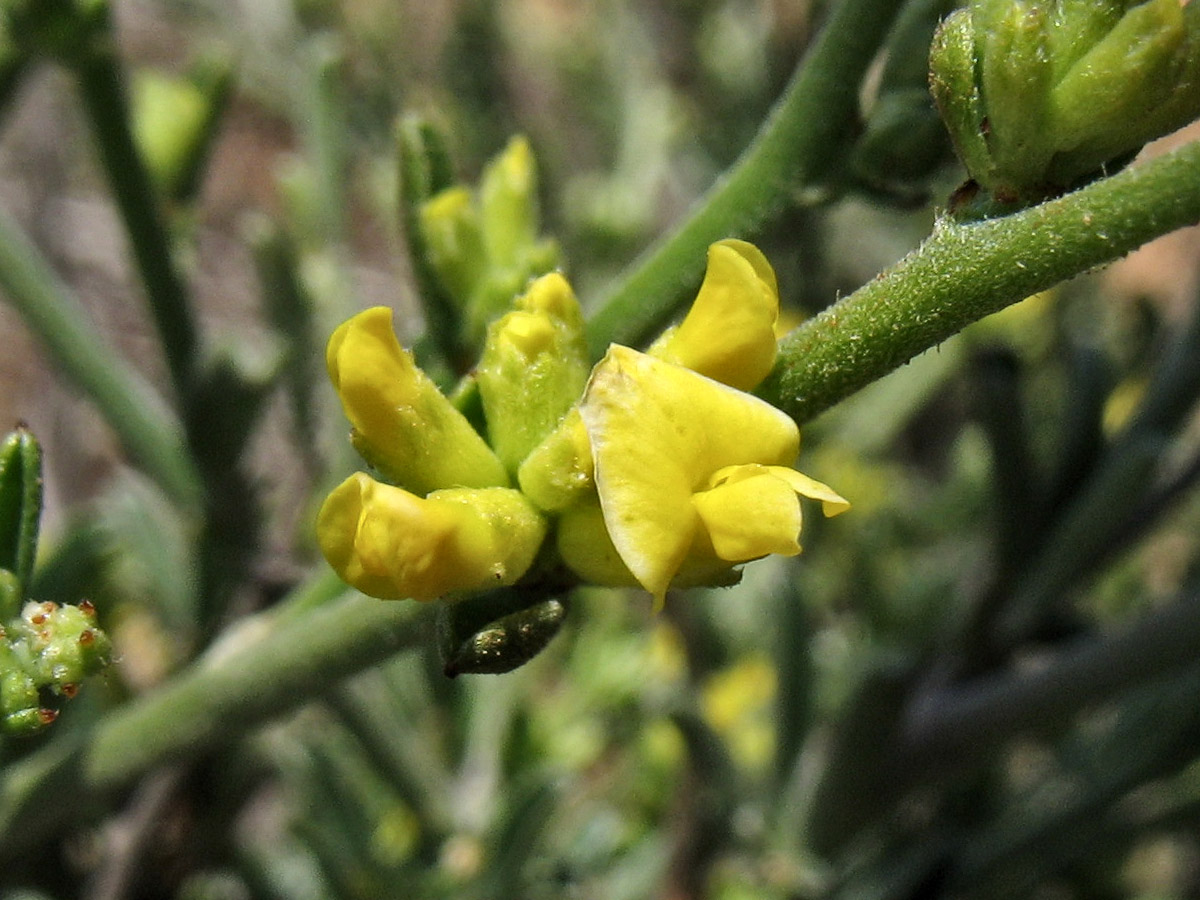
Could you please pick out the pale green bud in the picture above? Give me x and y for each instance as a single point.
(508, 204)
(453, 234)
(534, 368)
(1039, 97)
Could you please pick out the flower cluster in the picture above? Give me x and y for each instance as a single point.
(655, 469)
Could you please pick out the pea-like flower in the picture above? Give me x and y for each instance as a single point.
(403, 425)
(391, 544)
(692, 476)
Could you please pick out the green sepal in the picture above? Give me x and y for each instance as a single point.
(956, 92)
(1076, 27)
(1015, 73)
(496, 632)
(20, 503)
(1102, 104)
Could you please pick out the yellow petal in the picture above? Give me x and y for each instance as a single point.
(391, 544)
(658, 432)
(729, 333)
(403, 425)
(750, 517)
(832, 503)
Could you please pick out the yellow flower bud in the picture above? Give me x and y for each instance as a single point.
(402, 424)
(533, 369)
(691, 474)
(392, 544)
(729, 333)
(449, 223)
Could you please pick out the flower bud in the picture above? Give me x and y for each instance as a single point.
(533, 369)
(403, 425)
(1039, 97)
(391, 544)
(508, 204)
(453, 236)
(484, 245)
(558, 472)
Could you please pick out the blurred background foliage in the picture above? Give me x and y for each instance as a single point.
(1021, 494)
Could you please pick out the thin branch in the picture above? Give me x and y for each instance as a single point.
(965, 272)
(801, 143)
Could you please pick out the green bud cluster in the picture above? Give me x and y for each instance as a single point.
(483, 244)
(45, 653)
(1042, 95)
(46, 649)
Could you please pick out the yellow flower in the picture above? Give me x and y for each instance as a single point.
(729, 333)
(391, 544)
(692, 476)
(403, 426)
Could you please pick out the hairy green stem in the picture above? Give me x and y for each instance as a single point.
(802, 142)
(265, 667)
(101, 88)
(146, 428)
(964, 272)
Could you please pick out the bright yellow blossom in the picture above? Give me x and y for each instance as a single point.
(691, 474)
(391, 544)
(402, 424)
(728, 335)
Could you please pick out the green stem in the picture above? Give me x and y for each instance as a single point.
(964, 272)
(256, 673)
(802, 142)
(100, 85)
(141, 420)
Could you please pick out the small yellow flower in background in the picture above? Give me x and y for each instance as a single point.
(738, 703)
(391, 544)
(403, 425)
(729, 333)
(690, 473)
